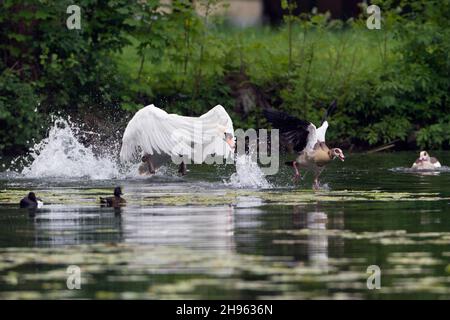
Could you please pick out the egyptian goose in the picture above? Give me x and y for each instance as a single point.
(115, 201)
(307, 140)
(153, 132)
(31, 201)
(425, 162)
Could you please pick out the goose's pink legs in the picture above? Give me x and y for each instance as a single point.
(297, 173)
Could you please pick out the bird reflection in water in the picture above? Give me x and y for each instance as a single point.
(317, 222)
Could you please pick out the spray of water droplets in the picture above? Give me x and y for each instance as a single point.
(63, 155)
(248, 174)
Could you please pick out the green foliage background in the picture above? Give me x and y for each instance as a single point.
(391, 84)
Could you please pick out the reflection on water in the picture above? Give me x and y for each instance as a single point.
(317, 243)
(198, 238)
(193, 227)
(65, 226)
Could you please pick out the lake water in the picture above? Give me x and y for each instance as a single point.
(204, 236)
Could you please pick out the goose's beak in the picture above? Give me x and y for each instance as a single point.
(341, 157)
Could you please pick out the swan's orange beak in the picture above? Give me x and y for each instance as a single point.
(230, 141)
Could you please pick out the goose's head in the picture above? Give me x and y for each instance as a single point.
(337, 153)
(424, 156)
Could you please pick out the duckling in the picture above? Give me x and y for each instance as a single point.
(115, 201)
(425, 162)
(31, 201)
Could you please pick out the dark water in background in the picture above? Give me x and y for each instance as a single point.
(196, 237)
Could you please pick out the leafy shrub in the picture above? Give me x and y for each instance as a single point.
(19, 119)
(390, 84)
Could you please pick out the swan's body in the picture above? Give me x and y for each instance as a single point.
(425, 162)
(153, 131)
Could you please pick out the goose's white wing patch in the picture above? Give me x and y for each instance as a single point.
(321, 131)
(312, 138)
(153, 130)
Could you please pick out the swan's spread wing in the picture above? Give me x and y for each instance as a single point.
(217, 121)
(216, 124)
(153, 130)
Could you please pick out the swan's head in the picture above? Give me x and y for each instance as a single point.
(337, 153)
(229, 139)
(424, 156)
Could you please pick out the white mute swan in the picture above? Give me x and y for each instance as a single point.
(153, 131)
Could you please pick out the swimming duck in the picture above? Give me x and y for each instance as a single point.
(425, 162)
(31, 201)
(155, 132)
(115, 201)
(308, 141)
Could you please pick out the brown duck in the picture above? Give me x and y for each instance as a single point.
(307, 141)
(31, 201)
(116, 201)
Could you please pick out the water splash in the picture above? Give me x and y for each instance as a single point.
(62, 155)
(248, 174)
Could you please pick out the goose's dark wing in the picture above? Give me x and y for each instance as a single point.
(293, 130)
(330, 111)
